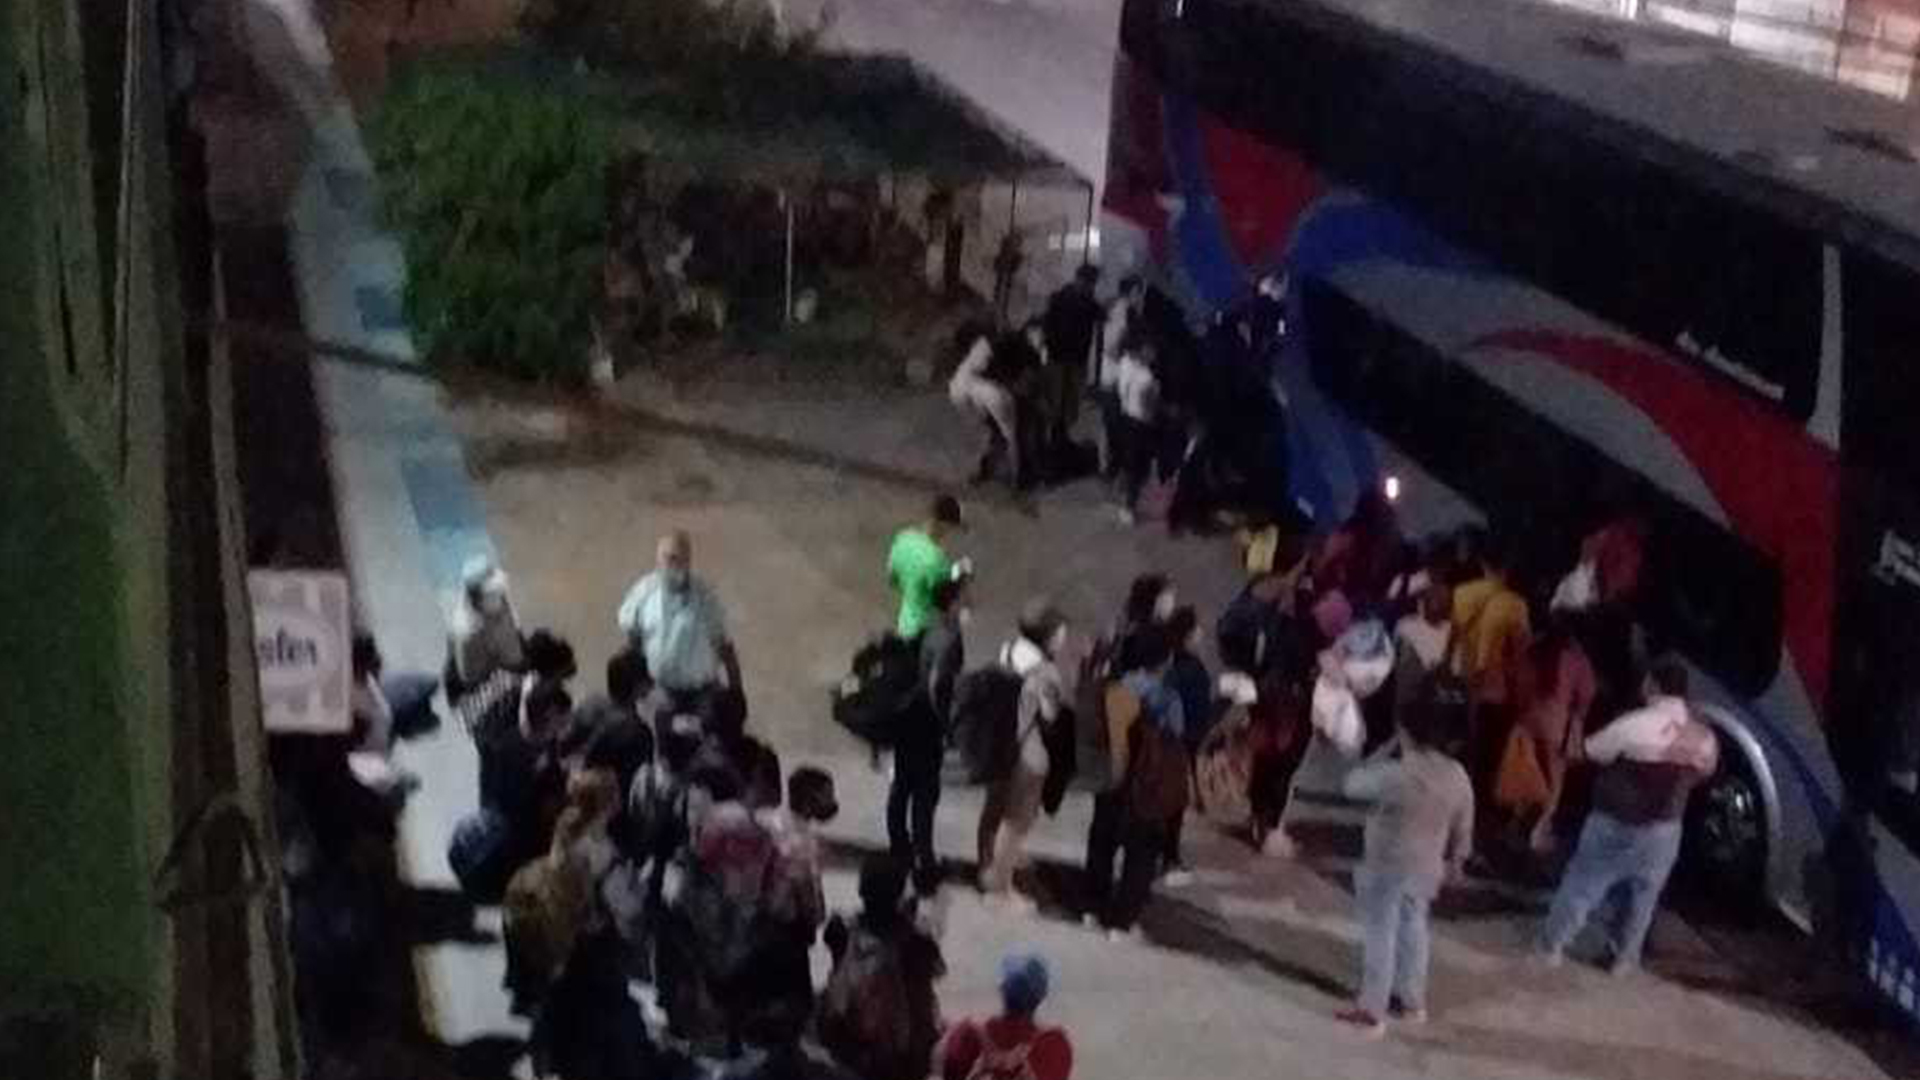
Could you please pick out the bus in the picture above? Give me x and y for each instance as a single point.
(1545, 267)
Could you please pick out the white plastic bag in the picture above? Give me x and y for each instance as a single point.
(1579, 590)
(1336, 716)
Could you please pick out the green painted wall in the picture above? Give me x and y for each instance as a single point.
(83, 652)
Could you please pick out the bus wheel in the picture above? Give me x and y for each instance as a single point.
(1725, 849)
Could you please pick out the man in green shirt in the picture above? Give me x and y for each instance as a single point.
(917, 562)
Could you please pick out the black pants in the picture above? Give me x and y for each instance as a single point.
(911, 803)
(1133, 451)
(1272, 782)
(1139, 846)
(1103, 843)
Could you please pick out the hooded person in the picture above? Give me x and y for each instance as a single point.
(484, 636)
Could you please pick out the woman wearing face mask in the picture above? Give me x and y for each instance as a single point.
(1033, 655)
(485, 636)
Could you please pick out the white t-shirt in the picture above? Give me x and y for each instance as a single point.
(1133, 382)
(1427, 641)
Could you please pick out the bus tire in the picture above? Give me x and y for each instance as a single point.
(1724, 852)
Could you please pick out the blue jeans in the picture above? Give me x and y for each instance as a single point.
(1393, 916)
(1613, 853)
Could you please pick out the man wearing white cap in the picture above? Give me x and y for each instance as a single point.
(678, 624)
(486, 632)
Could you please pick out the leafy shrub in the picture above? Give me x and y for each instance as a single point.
(498, 194)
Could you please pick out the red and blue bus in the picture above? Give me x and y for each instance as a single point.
(1544, 267)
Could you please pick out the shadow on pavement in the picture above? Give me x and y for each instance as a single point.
(1603, 1061)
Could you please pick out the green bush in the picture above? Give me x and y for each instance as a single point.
(498, 194)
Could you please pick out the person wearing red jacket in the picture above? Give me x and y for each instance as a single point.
(1010, 1045)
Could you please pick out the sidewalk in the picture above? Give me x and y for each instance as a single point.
(1240, 974)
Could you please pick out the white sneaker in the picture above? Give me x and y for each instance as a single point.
(1278, 845)
(1178, 878)
(1123, 937)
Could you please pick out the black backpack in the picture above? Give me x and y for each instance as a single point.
(884, 678)
(986, 706)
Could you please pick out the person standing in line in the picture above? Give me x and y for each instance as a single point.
(1013, 805)
(1190, 681)
(1132, 421)
(914, 796)
(917, 562)
(1070, 324)
(1123, 318)
(1419, 830)
(1151, 600)
(1556, 688)
(1121, 324)
(677, 623)
(1146, 725)
(1491, 629)
(1650, 761)
(485, 636)
(1011, 1044)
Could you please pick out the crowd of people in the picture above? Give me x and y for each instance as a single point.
(1188, 424)
(1488, 726)
(644, 837)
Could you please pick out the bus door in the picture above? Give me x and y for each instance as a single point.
(1874, 718)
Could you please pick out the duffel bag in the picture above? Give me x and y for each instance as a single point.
(884, 677)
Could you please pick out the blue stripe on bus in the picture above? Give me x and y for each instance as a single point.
(1340, 229)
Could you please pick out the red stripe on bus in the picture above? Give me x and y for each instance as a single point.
(1779, 487)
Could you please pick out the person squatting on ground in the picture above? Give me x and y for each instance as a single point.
(677, 623)
(1012, 1045)
(1013, 804)
(919, 748)
(1419, 831)
(1650, 760)
(982, 388)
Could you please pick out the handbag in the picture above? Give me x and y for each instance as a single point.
(1521, 784)
(1223, 770)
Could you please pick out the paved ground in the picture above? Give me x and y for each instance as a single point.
(791, 499)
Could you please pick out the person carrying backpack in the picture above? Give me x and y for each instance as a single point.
(1010, 1046)
(879, 1015)
(1012, 805)
(1135, 818)
(919, 749)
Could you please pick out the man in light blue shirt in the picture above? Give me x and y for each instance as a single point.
(677, 623)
